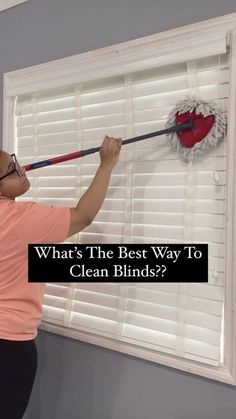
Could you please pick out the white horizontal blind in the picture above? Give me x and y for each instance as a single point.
(153, 197)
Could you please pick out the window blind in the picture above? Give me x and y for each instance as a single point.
(153, 197)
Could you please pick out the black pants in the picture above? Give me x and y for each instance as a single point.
(18, 365)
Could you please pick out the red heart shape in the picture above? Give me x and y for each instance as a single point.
(202, 126)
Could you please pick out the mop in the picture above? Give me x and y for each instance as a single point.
(192, 128)
(210, 126)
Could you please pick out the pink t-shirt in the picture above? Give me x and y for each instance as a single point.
(22, 223)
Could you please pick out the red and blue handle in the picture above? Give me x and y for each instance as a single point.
(177, 128)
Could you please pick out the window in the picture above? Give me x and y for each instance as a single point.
(154, 197)
(6, 4)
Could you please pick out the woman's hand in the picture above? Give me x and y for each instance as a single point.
(110, 151)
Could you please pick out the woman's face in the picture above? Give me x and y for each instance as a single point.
(13, 185)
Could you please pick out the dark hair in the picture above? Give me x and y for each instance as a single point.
(1, 151)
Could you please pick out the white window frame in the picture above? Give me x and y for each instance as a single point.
(173, 46)
(7, 4)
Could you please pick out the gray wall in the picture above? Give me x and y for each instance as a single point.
(76, 380)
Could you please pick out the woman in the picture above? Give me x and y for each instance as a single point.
(21, 302)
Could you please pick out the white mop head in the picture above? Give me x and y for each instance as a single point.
(215, 135)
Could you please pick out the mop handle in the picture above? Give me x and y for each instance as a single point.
(81, 153)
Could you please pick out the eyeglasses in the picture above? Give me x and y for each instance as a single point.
(17, 168)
